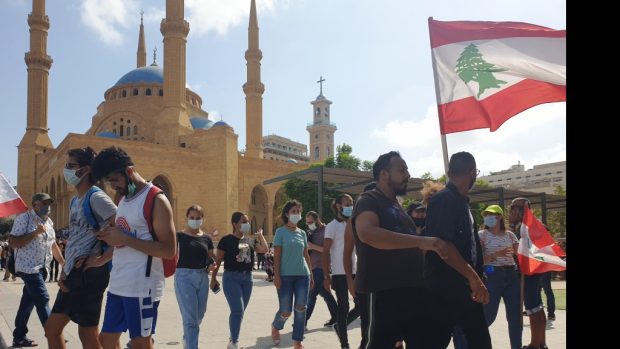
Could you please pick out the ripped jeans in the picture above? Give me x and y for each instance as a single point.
(297, 286)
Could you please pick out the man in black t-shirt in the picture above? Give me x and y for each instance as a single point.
(390, 262)
(456, 281)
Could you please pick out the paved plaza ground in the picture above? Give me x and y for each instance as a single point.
(255, 332)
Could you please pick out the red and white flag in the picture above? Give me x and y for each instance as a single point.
(10, 202)
(487, 72)
(538, 252)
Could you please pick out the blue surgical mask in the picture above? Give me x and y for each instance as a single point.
(245, 227)
(194, 223)
(490, 221)
(131, 189)
(70, 177)
(347, 211)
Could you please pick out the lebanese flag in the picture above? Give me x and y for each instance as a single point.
(487, 72)
(10, 202)
(538, 252)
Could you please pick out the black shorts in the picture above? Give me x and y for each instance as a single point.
(83, 301)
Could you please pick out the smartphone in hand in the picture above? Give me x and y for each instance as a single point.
(216, 289)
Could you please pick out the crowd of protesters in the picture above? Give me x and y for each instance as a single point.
(418, 276)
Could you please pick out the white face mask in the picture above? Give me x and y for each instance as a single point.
(312, 226)
(70, 177)
(245, 227)
(194, 223)
(294, 218)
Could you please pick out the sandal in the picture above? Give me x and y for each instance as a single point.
(275, 335)
(24, 343)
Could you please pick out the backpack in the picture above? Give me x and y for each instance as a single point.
(90, 216)
(170, 265)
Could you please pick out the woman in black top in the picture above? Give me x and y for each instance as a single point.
(191, 279)
(236, 250)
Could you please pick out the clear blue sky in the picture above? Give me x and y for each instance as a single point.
(375, 56)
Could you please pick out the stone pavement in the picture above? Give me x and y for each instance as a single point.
(255, 331)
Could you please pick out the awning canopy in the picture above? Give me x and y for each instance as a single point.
(353, 182)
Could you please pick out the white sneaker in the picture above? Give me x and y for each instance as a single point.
(232, 345)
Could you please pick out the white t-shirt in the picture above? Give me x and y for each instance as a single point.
(335, 231)
(128, 277)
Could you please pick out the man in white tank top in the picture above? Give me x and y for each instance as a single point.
(135, 290)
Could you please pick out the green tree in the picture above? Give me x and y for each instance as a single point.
(330, 162)
(443, 179)
(306, 192)
(471, 67)
(556, 220)
(427, 176)
(367, 165)
(344, 158)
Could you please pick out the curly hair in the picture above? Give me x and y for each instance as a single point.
(112, 159)
(429, 189)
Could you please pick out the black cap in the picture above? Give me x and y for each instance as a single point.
(416, 206)
(42, 197)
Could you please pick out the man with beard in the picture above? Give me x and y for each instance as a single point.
(390, 262)
(456, 281)
(137, 276)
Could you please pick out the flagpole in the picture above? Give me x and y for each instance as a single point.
(444, 148)
(444, 144)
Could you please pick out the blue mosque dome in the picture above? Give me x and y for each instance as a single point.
(107, 134)
(221, 123)
(200, 123)
(148, 74)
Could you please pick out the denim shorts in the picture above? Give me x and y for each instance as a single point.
(531, 293)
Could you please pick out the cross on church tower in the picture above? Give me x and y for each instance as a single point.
(321, 83)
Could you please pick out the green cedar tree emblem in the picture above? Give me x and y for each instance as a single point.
(471, 67)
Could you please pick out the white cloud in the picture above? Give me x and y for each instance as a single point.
(535, 136)
(108, 17)
(214, 115)
(220, 16)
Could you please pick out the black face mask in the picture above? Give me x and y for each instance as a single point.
(419, 222)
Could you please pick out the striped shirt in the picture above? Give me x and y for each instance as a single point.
(492, 243)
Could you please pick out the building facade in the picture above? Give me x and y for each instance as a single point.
(164, 127)
(283, 149)
(540, 178)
